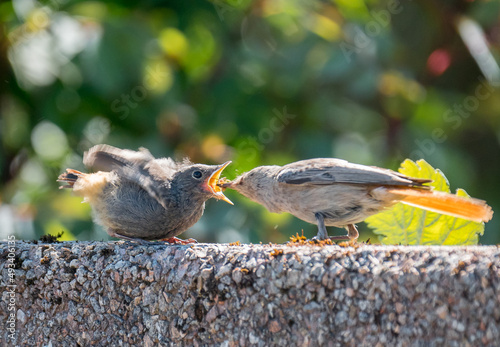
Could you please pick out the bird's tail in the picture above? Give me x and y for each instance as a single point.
(468, 208)
(69, 177)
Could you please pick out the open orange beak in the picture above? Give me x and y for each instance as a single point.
(213, 180)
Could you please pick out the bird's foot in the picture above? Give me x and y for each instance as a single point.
(318, 239)
(177, 241)
(352, 234)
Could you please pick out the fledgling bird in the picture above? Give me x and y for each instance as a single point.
(137, 197)
(334, 192)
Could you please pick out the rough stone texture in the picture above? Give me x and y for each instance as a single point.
(122, 294)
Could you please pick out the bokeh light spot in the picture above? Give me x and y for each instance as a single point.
(32, 173)
(157, 76)
(326, 28)
(38, 19)
(438, 62)
(174, 43)
(213, 148)
(49, 141)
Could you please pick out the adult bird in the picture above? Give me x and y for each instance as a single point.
(335, 192)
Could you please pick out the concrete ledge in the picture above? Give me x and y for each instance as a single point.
(115, 293)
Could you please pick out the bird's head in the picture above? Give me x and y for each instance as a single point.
(254, 184)
(201, 180)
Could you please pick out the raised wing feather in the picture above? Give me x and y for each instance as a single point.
(109, 158)
(326, 171)
(140, 167)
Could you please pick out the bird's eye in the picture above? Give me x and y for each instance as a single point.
(197, 174)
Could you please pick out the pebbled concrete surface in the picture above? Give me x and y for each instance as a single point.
(122, 294)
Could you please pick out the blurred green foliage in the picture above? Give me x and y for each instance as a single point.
(260, 82)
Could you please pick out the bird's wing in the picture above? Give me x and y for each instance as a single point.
(153, 184)
(109, 158)
(152, 175)
(331, 171)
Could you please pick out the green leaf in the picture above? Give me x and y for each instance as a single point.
(403, 224)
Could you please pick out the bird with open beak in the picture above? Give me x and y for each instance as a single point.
(135, 196)
(334, 192)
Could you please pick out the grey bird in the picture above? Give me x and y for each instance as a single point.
(137, 197)
(334, 192)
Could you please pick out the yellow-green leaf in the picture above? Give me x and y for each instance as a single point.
(407, 225)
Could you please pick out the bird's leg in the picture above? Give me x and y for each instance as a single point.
(352, 234)
(177, 241)
(322, 233)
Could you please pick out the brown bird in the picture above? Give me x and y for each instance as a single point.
(334, 192)
(137, 197)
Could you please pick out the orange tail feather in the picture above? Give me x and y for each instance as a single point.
(468, 208)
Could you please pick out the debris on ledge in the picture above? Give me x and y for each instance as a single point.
(121, 293)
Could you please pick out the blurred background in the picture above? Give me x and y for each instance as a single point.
(256, 82)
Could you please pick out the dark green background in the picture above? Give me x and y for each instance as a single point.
(265, 82)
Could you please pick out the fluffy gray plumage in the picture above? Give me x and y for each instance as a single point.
(135, 196)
